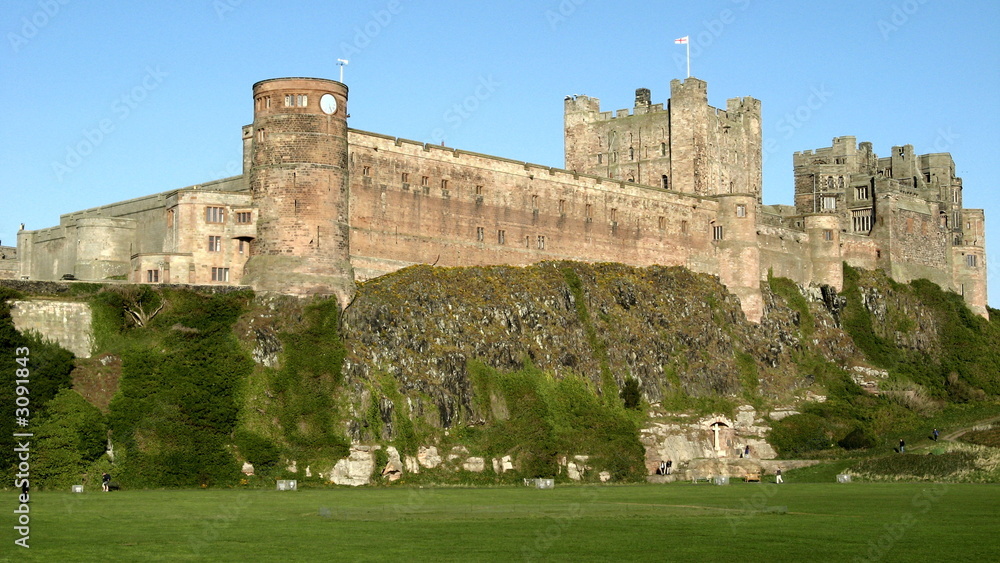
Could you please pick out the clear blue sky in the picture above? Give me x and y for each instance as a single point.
(170, 82)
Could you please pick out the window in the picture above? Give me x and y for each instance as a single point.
(631, 153)
(170, 218)
(527, 242)
(366, 170)
(534, 202)
(153, 276)
(663, 149)
(717, 232)
(861, 192)
(588, 211)
(220, 274)
(665, 182)
(215, 215)
(444, 184)
(260, 135)
(405, 178)
(480, 234)
(741, 210)
(562, 206)
(662, 222)
(214, 244)
(600, 158)
(425, 181)
(614, 215)
(971, 260)
(296, 100)
(241, 246)
(954, 195)
(501, 237)
(862, 220)
(244, 217)
(479, 190)
(541, 242)
(827, 234)
(829, 203)
(684, 227)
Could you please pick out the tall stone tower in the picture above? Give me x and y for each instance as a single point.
(687, 146)
(299, 180)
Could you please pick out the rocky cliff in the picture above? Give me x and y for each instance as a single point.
(483, 374)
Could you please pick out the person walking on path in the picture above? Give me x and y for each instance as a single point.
(777, 477)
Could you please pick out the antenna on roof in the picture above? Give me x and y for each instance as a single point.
(342, 63)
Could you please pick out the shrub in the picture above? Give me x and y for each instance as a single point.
(631, 394)
(800, 433)
(857, 439)
(256, 449)
(70, 435)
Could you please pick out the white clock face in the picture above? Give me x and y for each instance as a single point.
(328, 104)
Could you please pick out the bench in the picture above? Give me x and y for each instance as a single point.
(752, 477)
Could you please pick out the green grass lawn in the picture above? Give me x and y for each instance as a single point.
(677, 522)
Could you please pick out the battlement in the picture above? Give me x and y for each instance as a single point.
(588, 105)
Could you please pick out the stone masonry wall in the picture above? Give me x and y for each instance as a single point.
(65, 322)
(414, 203)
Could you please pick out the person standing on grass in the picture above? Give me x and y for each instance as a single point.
(935, 434)
(777, 477)
(902, 446)
(105, 482)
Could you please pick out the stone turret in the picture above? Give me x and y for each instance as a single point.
(299, 182)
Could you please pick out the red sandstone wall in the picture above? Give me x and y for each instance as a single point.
(394, 225)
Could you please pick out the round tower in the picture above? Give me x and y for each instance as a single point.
(299, 182)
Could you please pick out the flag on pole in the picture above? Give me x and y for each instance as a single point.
(684, 41)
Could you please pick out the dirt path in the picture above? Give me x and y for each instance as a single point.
(955, 435)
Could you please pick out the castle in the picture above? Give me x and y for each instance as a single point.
(321, 206)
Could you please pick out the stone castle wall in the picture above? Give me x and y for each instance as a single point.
(414, 203)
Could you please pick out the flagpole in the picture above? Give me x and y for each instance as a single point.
(686, 40)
